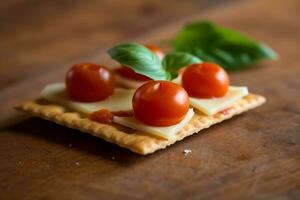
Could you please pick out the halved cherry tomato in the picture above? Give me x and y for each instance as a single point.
(130, 73)
(160, 103)
(103, 116)
(89, 82)
(205, 80)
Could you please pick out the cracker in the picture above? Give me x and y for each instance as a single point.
(136, 141)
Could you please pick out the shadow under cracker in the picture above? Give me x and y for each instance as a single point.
(64, 136)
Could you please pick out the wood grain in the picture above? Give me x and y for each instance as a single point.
(253, 156)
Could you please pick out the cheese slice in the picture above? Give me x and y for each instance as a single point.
(129, 83)
(120, 100)
(213, 105)
(177, 79)
(167, 132)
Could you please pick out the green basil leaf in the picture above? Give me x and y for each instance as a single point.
(172, 62)
(140, 59)
(224, 46)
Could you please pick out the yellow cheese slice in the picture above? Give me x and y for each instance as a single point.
(213, 105)
(167, 132)
(120, 100)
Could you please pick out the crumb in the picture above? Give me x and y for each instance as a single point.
(20, 162)
(113, 158)
(70, 145)
(77, 163)
(187, 151)
(48, 166)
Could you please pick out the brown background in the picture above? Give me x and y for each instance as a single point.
(40, 34)
(255, 155)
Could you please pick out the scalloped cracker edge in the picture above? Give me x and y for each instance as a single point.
(136, 141)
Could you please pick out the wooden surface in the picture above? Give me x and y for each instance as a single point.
(253, 156)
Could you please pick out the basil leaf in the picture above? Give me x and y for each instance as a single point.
(172, 62)
(224, 46)
(140, 59)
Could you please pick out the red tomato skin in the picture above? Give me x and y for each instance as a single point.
(88, 82)
(205, 80)
(160, 103)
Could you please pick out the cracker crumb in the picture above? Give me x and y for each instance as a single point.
(113, 158)
(187, 151)
(70, 145)
(77, 163)
(20, 162)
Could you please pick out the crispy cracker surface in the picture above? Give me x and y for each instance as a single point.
(136, 141)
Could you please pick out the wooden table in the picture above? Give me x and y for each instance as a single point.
(253, 156)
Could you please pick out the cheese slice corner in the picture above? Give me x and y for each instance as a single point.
(167, 132)
(213, 105)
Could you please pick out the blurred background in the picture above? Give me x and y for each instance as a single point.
(40, 34)
(253, 156)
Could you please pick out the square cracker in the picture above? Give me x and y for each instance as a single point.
(136, 141)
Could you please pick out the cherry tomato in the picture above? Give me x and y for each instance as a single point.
(130, 73)
(160, 54)
(89, 82)
(205, 80)
(160, 103)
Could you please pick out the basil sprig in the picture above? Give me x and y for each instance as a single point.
(143, 61)
(229, 48)
(140, 59)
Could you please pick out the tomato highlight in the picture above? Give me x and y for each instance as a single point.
(160, 103)
(205, 80)
(89, 82)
